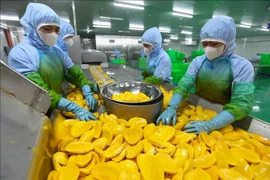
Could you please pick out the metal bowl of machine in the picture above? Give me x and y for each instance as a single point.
(148, 111)
(131, 86)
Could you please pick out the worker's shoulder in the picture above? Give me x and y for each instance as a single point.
(164, 55)
(22, 48)
(199, 60)
(238, 61)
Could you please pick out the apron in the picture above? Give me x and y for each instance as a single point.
(214, 81)
(51, 69)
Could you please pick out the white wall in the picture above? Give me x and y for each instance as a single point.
(3, 56)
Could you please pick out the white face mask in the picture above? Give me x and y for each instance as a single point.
(48, 38)
(213, 53)
(148, 51)
(68, 42)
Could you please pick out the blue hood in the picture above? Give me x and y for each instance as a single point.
(154, 37)
(223, 28)
(65, 29)
(34, 15)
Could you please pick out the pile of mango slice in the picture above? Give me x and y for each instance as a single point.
(116, 149)
(130, 97)
(75, 95)
(101, 77)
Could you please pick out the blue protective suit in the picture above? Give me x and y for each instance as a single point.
(158, 62)
(66, 29)
(226, 80)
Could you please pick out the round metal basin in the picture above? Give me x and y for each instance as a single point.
(126, 111)
(132, 86)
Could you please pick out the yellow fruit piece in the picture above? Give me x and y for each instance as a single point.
(180, 156)
(51, 174)
(96, 114)
(188, 166)
(210, 113)
(56, 165)
(118, 140)
(100, 153)
(198, 173)
(129, 174)
(62, 145)
(218, 136)
(105, 171)
(148, 147)
(221, 161)
(149, 129)
(205, 161)
(72, 159)
(157, 141)
(107, 133)
(179, 175)
(266, 157)
(79, 128)
(260, 138)
(170, 149)
(89, 177)
(100, 143)
(199, 109)
(258, 147)
(61, 158)
(83, 160)
(244, 133)
(134, 151)
(167, 163)
(213, 172)
(96, 157)
(238, 143)
(230, 174)
(114, 150)
(122, 155)
(87, 136)
(141, 122)
(261, 170)
(78, 97)
(243, 168)
(70, 122)
(248, 155)
(133, 135)
(226, 129)
(87, 170)
(59, 130)
(149, 168)
(128, 164)
(185, 137)
(222, 147)
(68, 173)
(208, 140)
(97, 129)
(189, 148)
(79, 147)
(199, 149)
(165, 132)
(68, 114)
(233, 136)
(180, 124)
(120, 121)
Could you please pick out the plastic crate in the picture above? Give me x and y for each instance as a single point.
(180, 66)
(265, 60)
(118, 61)
(175, 56)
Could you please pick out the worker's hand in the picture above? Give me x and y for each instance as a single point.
(221, 120)
(167, 116)
(90, 100)
(140, 78)
(80, 113)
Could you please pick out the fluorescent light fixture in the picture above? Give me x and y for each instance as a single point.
(182, 15)
(10, 17)
(182, 10)
(264, 29)
(174, 37)
(102, 23)
(186, 32)
(89, 30)
(128, 6)
(164, 30)
(101, 26)
(3, 26)
(111, 18)
(136, 29)
(133, 2)
(188, 39)
(167, 40)
(136, 26)
(188, 27)
(244, 26)
(124, 31)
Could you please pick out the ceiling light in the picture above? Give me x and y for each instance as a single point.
(111, 18)
(167, 40)
(264, 29)
(244, 26)
(174, 37)
(102, 23)
(10, 17)
(182, 15)
(101, 26)
(164, 30)
(188, 39)
(189, 27)
(128, 6)
(4, 26)
(133, 2)
(136, 26)
(186, 32)
(182, 10)
(136, 29)
(124, 31)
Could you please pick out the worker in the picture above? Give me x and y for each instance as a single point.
(220, 76)
(66, 34)
(158, 65)
(40, 61)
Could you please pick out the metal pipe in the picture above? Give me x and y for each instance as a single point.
(74, 17)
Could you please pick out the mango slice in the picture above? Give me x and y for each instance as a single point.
(248, 155)
(221, 161)
(68, 173)
(149, 169)
(87, 136)
(213, 172)
(218, 136)
(61, 158)
(107, 134)
(167, 162)
(205, 161)
(122, 155)
(170, 149)
(244, 133)
(149, 129)
(243, 168)
(134, 151)
(97, 129)
(128, 164)
(180, 157)
(233, 136)
(87, 170)
(260, 138)
(79, 128)
(129, 174)
(261, 170)
(226, 129)
(100, 153)
(148, 147)
(207, 139)
(133, 135)
(79, 147)
(105, 171)
(141, 122)
(114, 150)
(83, 160)
(230, 174)
(198, 173)
(179, 175)
(100, 143)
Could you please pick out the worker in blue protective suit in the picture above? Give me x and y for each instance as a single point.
(159, 66)
(66, 34)
(220, 76)
(40, 61)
